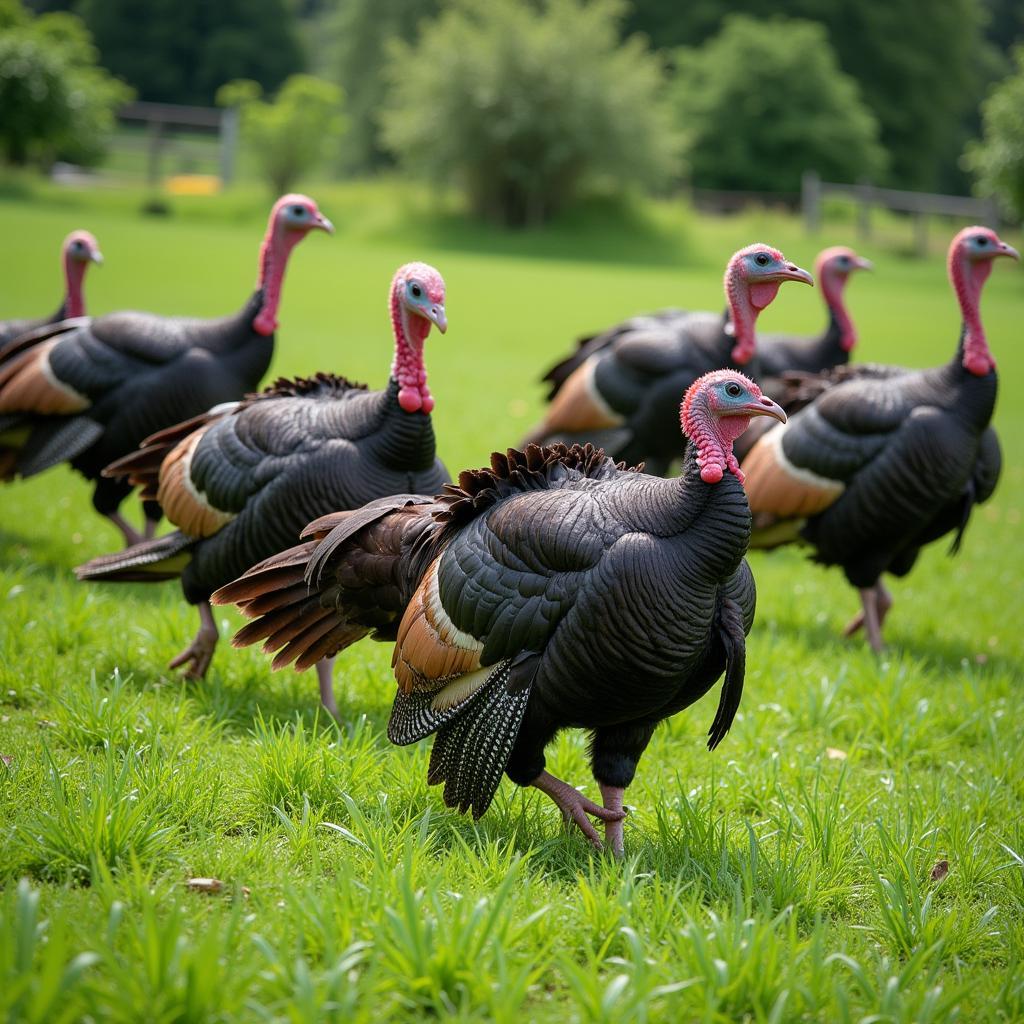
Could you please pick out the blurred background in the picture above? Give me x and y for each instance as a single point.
(523, 113)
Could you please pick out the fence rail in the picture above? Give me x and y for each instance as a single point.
(921, 205)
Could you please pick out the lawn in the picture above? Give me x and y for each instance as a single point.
(798, 873)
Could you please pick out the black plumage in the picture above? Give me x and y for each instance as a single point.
(883, 460)
(242, 482)
(554, 589)
(89, 392)
(621, 388)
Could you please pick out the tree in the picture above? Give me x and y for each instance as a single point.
(764, 101)
(920, 67)
(182, 51)
(55, 101)
(997, 160)
(525, 101)
(288, 135)
(361, 30)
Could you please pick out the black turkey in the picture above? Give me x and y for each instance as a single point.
(621, 389)
(89, 393)
(240, 483)
(78, 250)
(890, 459)
(555, 589)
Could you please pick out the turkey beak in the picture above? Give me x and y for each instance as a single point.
(764, 406)
(436, 315)
(323, 224)
(1008, 250)
(794, 273)
(862, 264)
(96, 257)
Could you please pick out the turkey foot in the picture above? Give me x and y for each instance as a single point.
(199, 653)
(324, 675)
(613, 838)
(876, 602)
(575, 806)
(130, 534)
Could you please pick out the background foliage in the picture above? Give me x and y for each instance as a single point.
(763, 101)
(524, 102)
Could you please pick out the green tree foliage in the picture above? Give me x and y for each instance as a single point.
(920, 67)
(524, 101)
(361, 30)
(764, 101)
(290, 134)
(55, 101)
(182, 51)
(997, 160)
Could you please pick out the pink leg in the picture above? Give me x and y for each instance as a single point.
(575, 806)
(149, 530)
(324, 675)
(613, 838)
(130, 534)
(876, 602)
(199, 653)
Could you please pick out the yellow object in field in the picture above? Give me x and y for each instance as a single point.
(193, 185)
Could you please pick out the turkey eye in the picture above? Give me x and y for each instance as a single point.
(416, 290)
(761, 259)
(981, 240)
(733, 390)
(298, 211)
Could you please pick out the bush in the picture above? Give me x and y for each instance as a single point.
(288, 135)
(522, 102)
(764, 101)
(55, 101)
(997, 159)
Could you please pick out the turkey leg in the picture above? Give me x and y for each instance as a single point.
(130, 534)
(613, 838)
(575, 806)
(324, 675)
(199, 653)
(876, 602)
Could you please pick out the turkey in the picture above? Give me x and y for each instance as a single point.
(555, 589)
(890, 459)
(621, 389)
(241, 482)
(89, 392)
(779, 353)
(78, 250)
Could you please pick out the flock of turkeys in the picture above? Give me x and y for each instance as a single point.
(572, 583)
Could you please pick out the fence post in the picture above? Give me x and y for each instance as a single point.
(156, 144)
(864, 190)
(810, 200)
(921, 233)
(228, 144)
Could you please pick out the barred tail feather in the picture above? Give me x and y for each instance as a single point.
(149, 561)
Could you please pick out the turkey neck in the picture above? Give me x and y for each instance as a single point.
(74, 294)
(408, 368)
(968, 277)
(274, 252)
(404, 441)
(840, 331)
(745, 304)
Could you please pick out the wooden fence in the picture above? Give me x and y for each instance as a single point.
(921, 205)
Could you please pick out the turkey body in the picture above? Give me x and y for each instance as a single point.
(105, 385)
(11, 330)
(635, 374)
(780, 354)
(242, 484)
(553, 590)
(900, 456)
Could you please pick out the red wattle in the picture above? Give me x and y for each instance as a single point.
(763, 294)
(711, 473)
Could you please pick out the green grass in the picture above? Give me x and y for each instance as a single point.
(770, 881)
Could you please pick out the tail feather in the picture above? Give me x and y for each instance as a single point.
(162, 558)
(267, 579)
(343, 635)
(268, 624)
(316, 628)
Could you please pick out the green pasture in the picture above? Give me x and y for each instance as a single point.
(793, 875)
